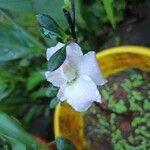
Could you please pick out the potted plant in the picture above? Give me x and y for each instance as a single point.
(71, 124)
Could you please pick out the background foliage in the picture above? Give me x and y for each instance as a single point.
(24, 93)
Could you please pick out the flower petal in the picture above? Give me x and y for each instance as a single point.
(88, 66)
(82, 93)
(52, 50)
(61, 93)
(73, 52)
(55, 77)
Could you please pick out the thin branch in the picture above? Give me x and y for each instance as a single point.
(74, 18)
(73, 13)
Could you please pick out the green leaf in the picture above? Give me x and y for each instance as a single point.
(5, 90)
(38, 94)
(15, 44)
(11, 129)
(44, 92)
(50, 26)
(134, 106)
(137, 95)
(138, 120)
(16, 5)
(16, 145)
(146, 104)
(64, 144)
(51, 91)
(54, 102)
(67, 4)
(57, 59)
(110, 13)
(35, 79)
(52, 7)
(120, 106)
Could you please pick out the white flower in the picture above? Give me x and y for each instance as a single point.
(78, 77)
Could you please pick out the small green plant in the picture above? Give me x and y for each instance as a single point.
(125, 118)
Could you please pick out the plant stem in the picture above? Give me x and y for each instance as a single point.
(74, 17)
(70, 22)
(70, 17)
(73, 13)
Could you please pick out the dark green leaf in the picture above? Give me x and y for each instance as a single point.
(54, 102)
(51, 91)
(50, 26)
(8, 108)
(64, 144)
(57, 59)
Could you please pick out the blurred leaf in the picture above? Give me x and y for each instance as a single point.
(3, 90)
(54, 102)
(80, 19)
(16, 5)
(146, 104)
(33, 7)
(16, 145)
(67, 4)
(109, 11)
(57, 59)
(136, 95)
(50, 7)
(64, 144)
(120, 106)
(138, 120)
(32, 113)
(11, 129)
(8, 108)
(44, 92)
(134, 106)
(35, 79)
(14, 44)
(50, 26)
(40, 93)
(119, 8)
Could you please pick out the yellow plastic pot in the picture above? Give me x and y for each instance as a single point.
(68, 122)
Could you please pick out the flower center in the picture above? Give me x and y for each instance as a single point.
(69, 72)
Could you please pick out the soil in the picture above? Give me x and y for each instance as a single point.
(122, 121)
